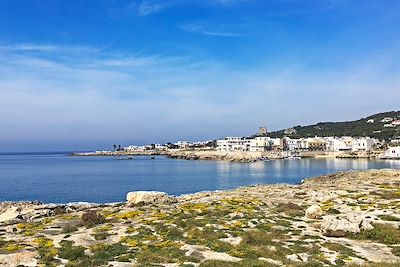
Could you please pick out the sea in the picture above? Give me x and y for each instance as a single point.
(61, 178)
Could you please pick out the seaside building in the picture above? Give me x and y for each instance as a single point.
(183, 144)
(233, 144)
(392, 153)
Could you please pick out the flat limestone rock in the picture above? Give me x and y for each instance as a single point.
(25, 258)
(9, 214)
(338, 227)
(149, 197)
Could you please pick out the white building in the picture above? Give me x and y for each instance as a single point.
(396, 123)
(393, 152)
(387, 119)
(259, 144)
(363, 144)
(233, 144)
(344, 143)
(182, 144)
(370, 121)
(388, 125)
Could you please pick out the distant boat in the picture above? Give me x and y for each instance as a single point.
(128, 158)
(293, 157)
(152, 158)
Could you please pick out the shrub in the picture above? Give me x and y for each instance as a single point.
(70, 252)
(290, 209)
(91, 218)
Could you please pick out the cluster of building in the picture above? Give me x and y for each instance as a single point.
(388, 122)
(264, 143)
(176, 145)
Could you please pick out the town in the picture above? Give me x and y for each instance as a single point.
(288, 146)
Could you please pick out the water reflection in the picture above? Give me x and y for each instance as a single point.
(291, 171)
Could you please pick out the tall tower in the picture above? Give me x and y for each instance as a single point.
(262, 131)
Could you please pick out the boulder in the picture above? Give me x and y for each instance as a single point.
(314, 212)
(149, 197)
(9, 214)
(339, 227)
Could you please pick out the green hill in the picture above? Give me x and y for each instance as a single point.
(348, 128)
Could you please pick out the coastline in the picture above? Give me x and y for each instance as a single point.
(336, 216)
(239, 156)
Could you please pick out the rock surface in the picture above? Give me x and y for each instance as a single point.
(149, 197)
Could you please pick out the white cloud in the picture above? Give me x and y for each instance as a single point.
(199, 28)
(155, 98)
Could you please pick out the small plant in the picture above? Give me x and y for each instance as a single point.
(91, 218)
(70, 252)
(70, 227)
(290, 209)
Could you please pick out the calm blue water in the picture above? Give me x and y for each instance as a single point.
(59, 178)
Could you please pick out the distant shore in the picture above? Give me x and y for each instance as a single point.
(237, 156)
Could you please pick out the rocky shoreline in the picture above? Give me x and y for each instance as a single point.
(239, 156)
(339, 219)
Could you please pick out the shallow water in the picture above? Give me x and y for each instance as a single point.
(58, 178)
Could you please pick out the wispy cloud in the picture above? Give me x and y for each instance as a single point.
(199, 28)
(148, 7)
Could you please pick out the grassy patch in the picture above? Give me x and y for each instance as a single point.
(243, 263)
(70, 252)
(46, 251)
(332, 211)
(381, 233)
(163, 254)
(103, 253)
(344, 251)
(389, 218)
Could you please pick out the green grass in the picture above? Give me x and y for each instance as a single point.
(344, 252)
(381, 233)
(70, 252)
(389, 218)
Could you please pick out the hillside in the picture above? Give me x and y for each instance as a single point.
(348, 128)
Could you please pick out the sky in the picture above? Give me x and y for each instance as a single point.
(84, 75)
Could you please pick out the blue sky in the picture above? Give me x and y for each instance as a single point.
(88, 74)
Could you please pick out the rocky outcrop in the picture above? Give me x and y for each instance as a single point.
(241, 157)
(149, 197)
(333, 226)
